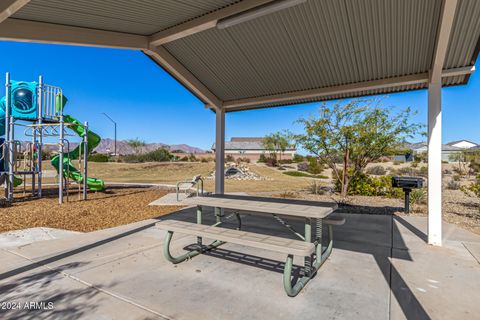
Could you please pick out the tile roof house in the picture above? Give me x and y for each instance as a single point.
(251, 148)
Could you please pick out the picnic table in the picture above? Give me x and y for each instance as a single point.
(315, 214)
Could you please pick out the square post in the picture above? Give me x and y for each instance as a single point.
(220, 151)
(435, 162)
(219, 157)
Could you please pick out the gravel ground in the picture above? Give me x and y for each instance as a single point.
(117, 206)
(458, 208)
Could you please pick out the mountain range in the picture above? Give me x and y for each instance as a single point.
(107, 146)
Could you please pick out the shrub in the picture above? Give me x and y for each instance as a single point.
(262, 158)
(285, 161)
(159, 155)
(185, 158)
(245, 159)
(453, 185)
(396, 163)
(423, 171)
(302, 166)
(365, 185)
(298, 158)
(204, 160)
(418, 196)
(456, 177)
(473, 188)
(376, 170)
(271, 162)
(414, 164)
(229, 158)
(313, 166)
(315, 188)
(98, 157)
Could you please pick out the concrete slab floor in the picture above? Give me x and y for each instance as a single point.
(380, 269)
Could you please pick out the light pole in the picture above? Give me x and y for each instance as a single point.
(115, 138)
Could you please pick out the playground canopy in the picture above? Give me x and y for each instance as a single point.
(240, 55)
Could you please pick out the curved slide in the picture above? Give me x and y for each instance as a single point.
(69, 169)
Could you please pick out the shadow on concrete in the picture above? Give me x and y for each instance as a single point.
(382, 252)
(420, 234)
(69, 253)
(49, 300)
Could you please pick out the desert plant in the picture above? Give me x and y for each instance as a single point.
(397, 163)
(315, 188)
(417, 196)
(376, 170)
(302, 166)
(414, 164)
(453, 185)
(98, 157)
(229, 158)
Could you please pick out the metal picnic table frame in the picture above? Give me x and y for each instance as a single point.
(312, 213)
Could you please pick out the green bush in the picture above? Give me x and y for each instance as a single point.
(304, 174)
(365, 185)
(98, 157)
(298, 158)
(376, 170)
(159, 155)
(262, 158)
(314, 167)
(418, 196)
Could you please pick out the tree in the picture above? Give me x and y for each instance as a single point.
(277, 142)
(355, 134)
(136, 144)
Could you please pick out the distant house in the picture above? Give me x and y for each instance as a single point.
(251, 148)
(463, 144)
(447, 150)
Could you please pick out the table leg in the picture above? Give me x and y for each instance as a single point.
(199, 221)
(308, 238)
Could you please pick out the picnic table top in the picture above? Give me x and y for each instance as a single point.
(299, 208)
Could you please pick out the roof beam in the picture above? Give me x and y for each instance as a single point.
(31, 31)
(183, 75)
(9, 7)
(348, 88)
(203, 23)
(447, 16)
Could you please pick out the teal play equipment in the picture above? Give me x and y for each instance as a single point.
(39, 108)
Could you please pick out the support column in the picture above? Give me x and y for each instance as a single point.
(220, 152)
(435, 162)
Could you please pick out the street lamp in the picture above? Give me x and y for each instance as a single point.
(115, 139)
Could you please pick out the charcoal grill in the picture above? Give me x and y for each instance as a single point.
(407, 184)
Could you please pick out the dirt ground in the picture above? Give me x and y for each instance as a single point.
(117, 206)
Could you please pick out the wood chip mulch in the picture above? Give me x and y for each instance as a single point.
(116, 206)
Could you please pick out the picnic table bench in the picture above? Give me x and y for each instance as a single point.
(314, 213)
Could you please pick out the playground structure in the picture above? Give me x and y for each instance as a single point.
(40, 108)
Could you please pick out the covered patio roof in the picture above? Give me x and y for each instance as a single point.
(314, 50)
(239, 55)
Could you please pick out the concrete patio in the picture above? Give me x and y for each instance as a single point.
(381, 268)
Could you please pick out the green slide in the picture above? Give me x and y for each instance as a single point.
(69, 169)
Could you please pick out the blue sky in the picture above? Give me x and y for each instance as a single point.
(147, 103)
